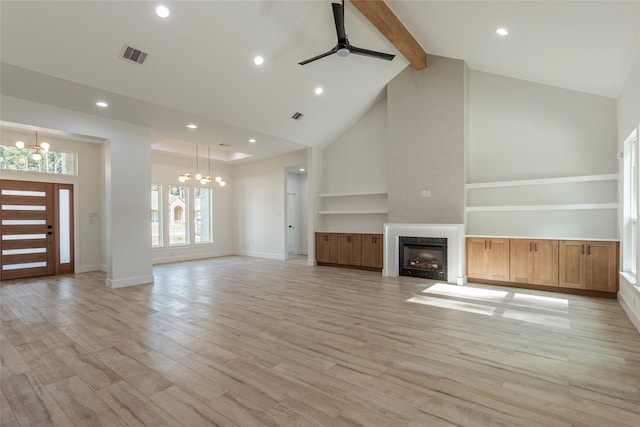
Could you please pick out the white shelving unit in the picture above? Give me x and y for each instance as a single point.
(354, 212)
(580, 205)
(363, 212)
(543, 181)
(541, 206)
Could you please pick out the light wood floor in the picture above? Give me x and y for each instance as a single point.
(252, 342)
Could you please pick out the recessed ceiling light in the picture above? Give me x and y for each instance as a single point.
(192, 126)
(319, 91)
(258, 60)
(102, 104)
(502, 31)
(301, 169)
(252, 140)
(162, 11)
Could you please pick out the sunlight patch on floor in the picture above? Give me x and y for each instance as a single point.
(536, 309)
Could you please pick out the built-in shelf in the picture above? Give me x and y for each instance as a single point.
(353, 211)
(584, 206)
(366, 193)
(543, 181)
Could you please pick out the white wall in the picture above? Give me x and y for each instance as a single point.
(88, 186)
(520, 130)
(628, 120)
(357, 162)
(426, 142)
(127, 160)
(164, 171)
(259, 205)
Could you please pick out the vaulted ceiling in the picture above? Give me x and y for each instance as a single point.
(200, 66)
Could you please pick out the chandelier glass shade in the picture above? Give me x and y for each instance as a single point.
(38, 148)
(204, 180)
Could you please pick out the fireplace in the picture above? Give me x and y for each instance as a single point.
(424, 257)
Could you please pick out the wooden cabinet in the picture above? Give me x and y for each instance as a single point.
(372, 250)
(590, 265)
(534, 262)
(349, 249)
(327, 248)
(488, 258)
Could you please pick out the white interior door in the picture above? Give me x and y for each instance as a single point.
(292, 246)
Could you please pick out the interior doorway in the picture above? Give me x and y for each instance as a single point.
(296, 213)
(36, 230)
(292, 241)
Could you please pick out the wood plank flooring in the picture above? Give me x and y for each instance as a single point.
(252, 342)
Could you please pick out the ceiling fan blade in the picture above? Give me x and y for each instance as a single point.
(322, 55)
(373, 53)
(338, 17)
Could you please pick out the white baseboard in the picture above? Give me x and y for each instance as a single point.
(90, 268)
(268, 255)
(129, 281)
(191, 257)
(633, 316)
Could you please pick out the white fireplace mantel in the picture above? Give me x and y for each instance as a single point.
(454, 233)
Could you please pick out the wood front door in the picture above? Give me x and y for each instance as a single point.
(36, 229)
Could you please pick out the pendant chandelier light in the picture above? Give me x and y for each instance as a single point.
(38, 148)
(204, 180)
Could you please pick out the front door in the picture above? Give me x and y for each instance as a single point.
(36, 229)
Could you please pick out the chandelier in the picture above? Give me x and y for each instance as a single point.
(38, 148)
(204, 180)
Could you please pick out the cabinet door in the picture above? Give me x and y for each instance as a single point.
(477, 258)
(572, 264)
(326, 248)
(545, 262)
(602, 266)
(349, 249)
(372, 250)
(499, 259)
(521, 268)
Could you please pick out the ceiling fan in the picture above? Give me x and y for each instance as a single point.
(344, 48)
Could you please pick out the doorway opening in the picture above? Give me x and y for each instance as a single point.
(296, 213)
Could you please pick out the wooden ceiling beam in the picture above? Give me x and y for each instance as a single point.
(379, 14)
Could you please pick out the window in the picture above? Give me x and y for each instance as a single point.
(630, 244)
(57, 162)
(202, 218)
(178, 215)
(181, 215)
(156, 208)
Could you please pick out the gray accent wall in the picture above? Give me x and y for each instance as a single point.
(426, 141)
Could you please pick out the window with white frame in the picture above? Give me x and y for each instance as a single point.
(202, 218)
(178, 215)
(21, 159)
(156, 218)
(630, 231)
(181, 215)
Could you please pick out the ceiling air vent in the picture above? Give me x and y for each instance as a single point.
(133, 54)
(297, 116)
(222, 144)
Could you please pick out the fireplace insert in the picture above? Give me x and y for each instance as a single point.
(423, 257)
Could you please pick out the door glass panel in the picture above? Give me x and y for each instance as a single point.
(23, 222)
(65, 226)
(23, 208)
(24, 265)
(24, 251)
(23, 236)
(23, 193)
